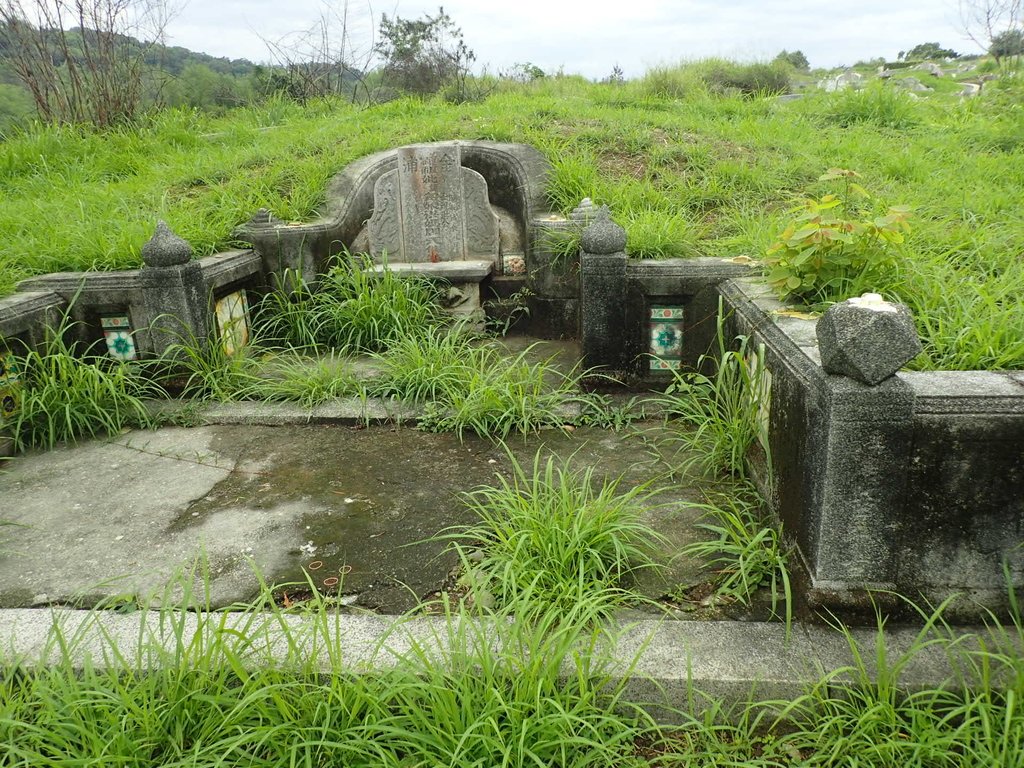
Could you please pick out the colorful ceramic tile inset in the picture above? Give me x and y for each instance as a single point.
(10, 385)
(666, 338)
(665, 365)
(233, 321)
(118, 334)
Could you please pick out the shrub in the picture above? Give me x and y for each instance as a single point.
(832, 245)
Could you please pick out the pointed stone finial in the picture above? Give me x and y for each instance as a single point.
(603, 235)
(165, 249)
(583, 212)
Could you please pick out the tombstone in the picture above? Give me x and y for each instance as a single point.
(431, 209)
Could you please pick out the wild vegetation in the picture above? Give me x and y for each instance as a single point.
(521, 684)
(691, 160)
(698, 159)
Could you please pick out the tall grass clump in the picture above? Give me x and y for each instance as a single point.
(869, 714)
(205, 689)
(723, 415)
(671, 82)
(477, 388)
(306, 381)
(66, 397)
(352, 310)
(878, 104)
(559, 535)
(745, 554)
(203, 369)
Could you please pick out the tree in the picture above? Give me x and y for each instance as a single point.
(1007, 44)
(424, 56)
(984, 20)
(81, 59)
(795, 59)
(923, 51)
(323, 60)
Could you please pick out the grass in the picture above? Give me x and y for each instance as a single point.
(474, 387)
(66, 396)
(557, 535)
(745, 553)
(353, 310)
(688, 168)
(723, 415)
(523, 685)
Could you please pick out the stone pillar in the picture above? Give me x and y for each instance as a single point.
(174, 293)
(603, 336)
(859, 452)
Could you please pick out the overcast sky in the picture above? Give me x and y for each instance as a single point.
(589, 37)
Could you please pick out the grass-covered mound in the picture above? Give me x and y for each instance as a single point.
(688, 169)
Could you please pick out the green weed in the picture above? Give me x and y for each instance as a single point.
(352, 310)
(558, 535)
(467, 386)
(721, 416)
(746, 553)
(67, 395)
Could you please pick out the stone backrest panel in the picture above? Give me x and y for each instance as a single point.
(431, 209)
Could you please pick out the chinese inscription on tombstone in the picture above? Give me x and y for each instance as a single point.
(430, 208)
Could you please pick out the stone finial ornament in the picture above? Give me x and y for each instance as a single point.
(583, 212)
(165, 249)
(603, 235)
(867, 338)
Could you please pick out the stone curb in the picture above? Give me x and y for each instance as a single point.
(351, 411)
(668, 665)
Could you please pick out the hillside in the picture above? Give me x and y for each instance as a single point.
(686, 169)
(175, 76)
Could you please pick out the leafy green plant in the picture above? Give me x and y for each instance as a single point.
(557, 535)
(722, 415)
(67, 396)
(831, 243)
(597, 410)
(745, 553)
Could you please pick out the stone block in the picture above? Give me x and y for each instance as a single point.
(867, 339)
(431, 209)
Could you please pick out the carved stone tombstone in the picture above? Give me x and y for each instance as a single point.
(431, 209)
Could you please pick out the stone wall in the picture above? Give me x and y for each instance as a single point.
(911, 486)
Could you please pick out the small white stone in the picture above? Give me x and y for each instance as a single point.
(872, 301)
(118, 538)
(348, 500)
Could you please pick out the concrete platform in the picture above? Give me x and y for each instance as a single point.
(355, 508)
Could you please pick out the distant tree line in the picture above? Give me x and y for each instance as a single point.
(102, 62)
